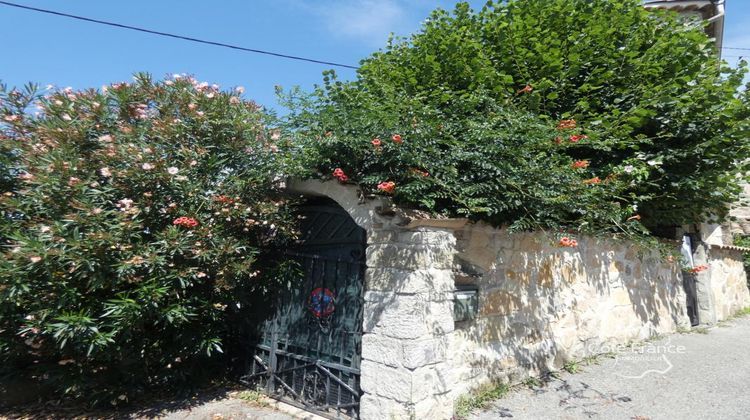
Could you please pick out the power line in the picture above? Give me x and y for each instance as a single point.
(186, 38)
(218, 44)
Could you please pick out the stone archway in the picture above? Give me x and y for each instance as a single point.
(408, 306)
(309, 351)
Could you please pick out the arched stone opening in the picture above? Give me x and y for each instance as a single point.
(407, 321)
(309, 348)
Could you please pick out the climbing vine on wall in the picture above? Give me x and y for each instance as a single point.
(596, 116)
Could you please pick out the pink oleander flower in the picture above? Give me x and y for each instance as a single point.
(186, 222)
(125, 204)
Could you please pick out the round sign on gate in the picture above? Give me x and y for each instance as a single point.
(322, 302)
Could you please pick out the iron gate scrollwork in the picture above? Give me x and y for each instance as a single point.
(309, 351)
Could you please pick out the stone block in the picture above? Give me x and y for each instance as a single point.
(498, 302)
(381, 237)
(531, 243)
(620, 297)
(386, 382)
(492, 328)
(434, 408)
(546, 277)
(524, 332)
(570, 274)
(411, 257)
(521, 277)
(431, 380)
(380, 255)
(409, 281)
(384, 350)
(379, 408)
(484, 258)
(423, 352)
(406, 316)
(428, 237)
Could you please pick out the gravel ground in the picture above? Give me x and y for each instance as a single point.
(683, 376)
(210, 405)
(224, 409)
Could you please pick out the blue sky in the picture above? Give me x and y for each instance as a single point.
(54, 50)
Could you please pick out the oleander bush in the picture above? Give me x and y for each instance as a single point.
(585, 115)
(138, 223)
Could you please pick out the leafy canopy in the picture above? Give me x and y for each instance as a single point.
(595, 115)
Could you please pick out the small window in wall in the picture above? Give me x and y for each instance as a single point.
(465, 303)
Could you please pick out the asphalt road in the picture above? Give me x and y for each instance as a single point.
(683, 376)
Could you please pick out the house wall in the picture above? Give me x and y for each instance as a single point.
(541, 304)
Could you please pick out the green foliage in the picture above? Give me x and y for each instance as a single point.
(478, 97)
(741, 313)
(479, 399)
(136, 224)
(253, 397)
(533, 382)
(572, 366)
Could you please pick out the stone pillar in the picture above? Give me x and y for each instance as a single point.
(704, 293)
(408, 323)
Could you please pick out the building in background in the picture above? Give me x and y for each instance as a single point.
(711, 11)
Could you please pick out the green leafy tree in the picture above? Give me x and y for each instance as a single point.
(595, 115)
(136, 223)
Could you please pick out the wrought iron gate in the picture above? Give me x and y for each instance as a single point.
(309, 351)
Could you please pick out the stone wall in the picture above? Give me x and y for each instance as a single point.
(728, 281)
(541, 304)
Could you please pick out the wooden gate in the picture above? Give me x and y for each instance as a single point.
(309, 351)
